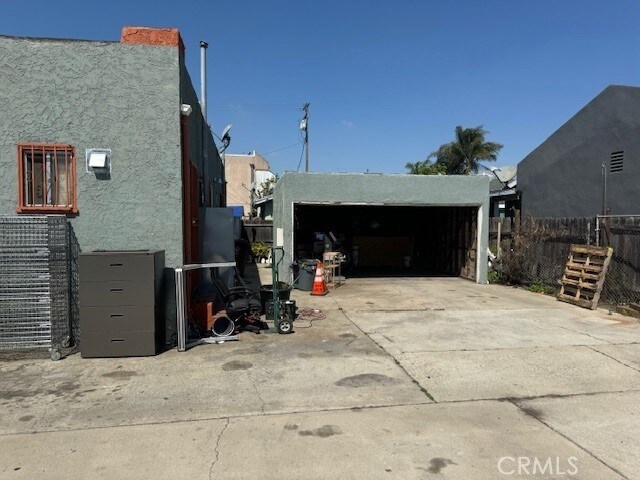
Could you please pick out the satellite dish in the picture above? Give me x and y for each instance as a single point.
(225, 138)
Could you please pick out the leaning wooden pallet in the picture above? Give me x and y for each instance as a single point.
(584, 275)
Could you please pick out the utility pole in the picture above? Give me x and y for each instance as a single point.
(304, 125)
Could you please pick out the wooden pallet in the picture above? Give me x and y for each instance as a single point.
(584, 275)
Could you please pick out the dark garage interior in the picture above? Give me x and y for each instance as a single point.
(385, 240)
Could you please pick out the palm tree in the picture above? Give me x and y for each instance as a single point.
(426, 168)
(463, 154)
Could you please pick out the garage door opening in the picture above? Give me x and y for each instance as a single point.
(384, 240)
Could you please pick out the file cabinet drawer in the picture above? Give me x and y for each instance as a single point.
(116, 293)
(118, 344)
(119, 318)
(102, 267)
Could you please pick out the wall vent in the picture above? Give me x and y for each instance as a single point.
(617, 162)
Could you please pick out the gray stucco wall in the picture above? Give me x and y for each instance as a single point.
(422, 190)
(118, 96)
(563, 176)
(103, 95)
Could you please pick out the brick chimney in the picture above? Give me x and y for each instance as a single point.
(166, 37)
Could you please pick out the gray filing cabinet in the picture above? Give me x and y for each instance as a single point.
(121, 312)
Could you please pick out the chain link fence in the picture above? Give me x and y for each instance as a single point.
(533, 252)
(622, 233)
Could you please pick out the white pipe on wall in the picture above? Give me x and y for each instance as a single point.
(203, 78)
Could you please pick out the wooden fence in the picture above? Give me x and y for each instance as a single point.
(556, 233)
(536, 250)
(258, 230)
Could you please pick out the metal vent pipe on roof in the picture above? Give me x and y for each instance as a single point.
(203, 78)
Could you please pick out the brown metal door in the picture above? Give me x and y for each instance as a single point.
(190, 219)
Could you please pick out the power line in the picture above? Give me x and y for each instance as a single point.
(283, 148)
(233, 196)
(300, 161)
(257, 107)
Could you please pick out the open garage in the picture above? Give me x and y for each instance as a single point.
(385, 225)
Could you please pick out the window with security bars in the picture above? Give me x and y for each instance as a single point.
(46, 179)
(617, 162)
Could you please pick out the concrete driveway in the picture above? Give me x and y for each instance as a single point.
(404, 379)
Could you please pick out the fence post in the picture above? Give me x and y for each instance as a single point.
(498, 246)
(607, 227)
(515, 227)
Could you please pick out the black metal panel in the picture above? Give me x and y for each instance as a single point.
(218, 242)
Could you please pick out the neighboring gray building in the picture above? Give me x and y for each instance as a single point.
(386, 224)
(504, 197)
(131, 98)
(566, 174)
(264, 207)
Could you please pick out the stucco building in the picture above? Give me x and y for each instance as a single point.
(245, 173)
(110, 134)
(385, 225)
(589, 163)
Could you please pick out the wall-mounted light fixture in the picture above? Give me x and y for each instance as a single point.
(98, 160)
(185, 109)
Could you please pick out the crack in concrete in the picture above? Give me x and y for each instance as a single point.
(215, 449)
(398, 310)
(396, 361)
(498, 349)
(575, 331)
(554, 395)
(325, 410)
(614, 359)
(569, 439)
(255, 388)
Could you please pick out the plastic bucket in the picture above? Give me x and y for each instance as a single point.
(222, 326)
(306, 273)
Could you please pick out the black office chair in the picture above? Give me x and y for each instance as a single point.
(239, 298)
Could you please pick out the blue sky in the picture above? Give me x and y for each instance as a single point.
(387, 81)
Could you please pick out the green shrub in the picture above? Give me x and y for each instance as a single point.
(494, 276)
(260, 250)
(538, 286)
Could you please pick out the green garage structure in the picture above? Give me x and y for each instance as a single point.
(396, 225)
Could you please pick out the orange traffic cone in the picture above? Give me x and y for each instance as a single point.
(319, 285)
